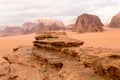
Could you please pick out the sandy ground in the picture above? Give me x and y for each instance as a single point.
(110, 38)
(8, 43)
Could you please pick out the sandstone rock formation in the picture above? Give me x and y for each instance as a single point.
(115, 22)
(54, 56)
(104, 62)
(88, 23)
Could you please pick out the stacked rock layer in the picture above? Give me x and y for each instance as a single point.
(54, 56)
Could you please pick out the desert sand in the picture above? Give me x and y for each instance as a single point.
(110, 38)
(8, 43)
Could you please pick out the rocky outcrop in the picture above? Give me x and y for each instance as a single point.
(40, 26)
(88, 23)
(54, 56)
(115, 22)
(57, 42)
(10, 31)
(104, 62)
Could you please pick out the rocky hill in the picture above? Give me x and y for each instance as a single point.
(115, 22)
(28, 27)
(41, 25)
(88, 23)
(44, 25)
(10, 31)
(54, 56)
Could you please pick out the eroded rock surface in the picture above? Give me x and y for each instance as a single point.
(54, 56)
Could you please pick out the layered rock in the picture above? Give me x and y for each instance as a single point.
(88, 23)
(115, 22)
(57, 42)
(54, 56)
(104, 62)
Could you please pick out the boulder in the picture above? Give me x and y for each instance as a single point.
(88, 23)
(115, 22)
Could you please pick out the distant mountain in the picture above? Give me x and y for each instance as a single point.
(42, 25)
(28, 27)
(11, 30)
(50, 22)
(88, 23)
(115, 22)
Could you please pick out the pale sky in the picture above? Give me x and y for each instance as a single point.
(19, 11)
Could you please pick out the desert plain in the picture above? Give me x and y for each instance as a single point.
(109, 38)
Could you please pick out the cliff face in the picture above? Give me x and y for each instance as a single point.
(54, 56)
(115, 22)
(88, 23)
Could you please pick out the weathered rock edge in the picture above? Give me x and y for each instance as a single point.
(62, 61)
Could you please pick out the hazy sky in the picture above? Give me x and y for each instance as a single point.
(19, 11)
